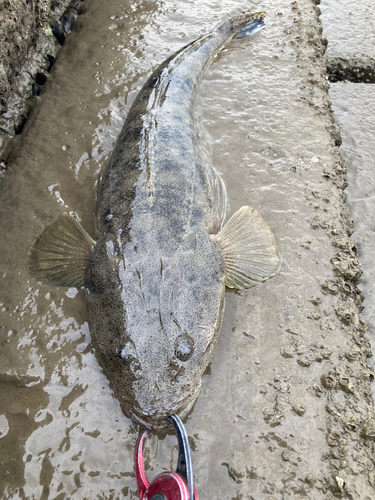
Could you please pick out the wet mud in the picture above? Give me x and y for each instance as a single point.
(285, 410)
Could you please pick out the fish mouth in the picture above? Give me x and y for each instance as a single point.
(159, 423)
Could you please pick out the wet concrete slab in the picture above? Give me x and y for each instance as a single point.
(349, 27)
(353, 105)
(285, 409)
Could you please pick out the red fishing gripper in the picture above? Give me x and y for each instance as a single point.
(168, 485)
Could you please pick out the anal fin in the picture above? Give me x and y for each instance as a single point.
(249, 249)
(58, 256)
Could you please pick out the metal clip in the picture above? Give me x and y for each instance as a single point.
(168, 485)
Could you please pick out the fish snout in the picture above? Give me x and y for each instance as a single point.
(156, 421)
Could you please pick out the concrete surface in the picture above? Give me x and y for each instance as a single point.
(285, 410)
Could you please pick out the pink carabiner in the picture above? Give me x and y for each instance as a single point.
(140, 472)
(169, 484)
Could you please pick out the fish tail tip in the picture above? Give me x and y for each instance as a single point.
(249, 24)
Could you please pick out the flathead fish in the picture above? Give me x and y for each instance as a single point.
(156, 273)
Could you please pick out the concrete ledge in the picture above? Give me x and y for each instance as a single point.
(27, 50)
(354, 105)
(20, 23)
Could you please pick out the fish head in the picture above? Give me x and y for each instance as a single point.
(155, 321)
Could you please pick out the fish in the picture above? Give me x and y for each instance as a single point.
(162, 257)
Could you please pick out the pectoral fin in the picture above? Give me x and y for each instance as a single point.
(249, 249)
(58, 256)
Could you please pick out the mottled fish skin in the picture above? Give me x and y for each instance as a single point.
(155, 280)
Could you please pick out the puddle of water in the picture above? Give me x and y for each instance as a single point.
(62, 432)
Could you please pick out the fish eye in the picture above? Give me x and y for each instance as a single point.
(127, 353)
(184, 349)
(122, 354)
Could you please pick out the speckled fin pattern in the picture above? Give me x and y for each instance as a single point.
(58, 256)
(249, 249)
